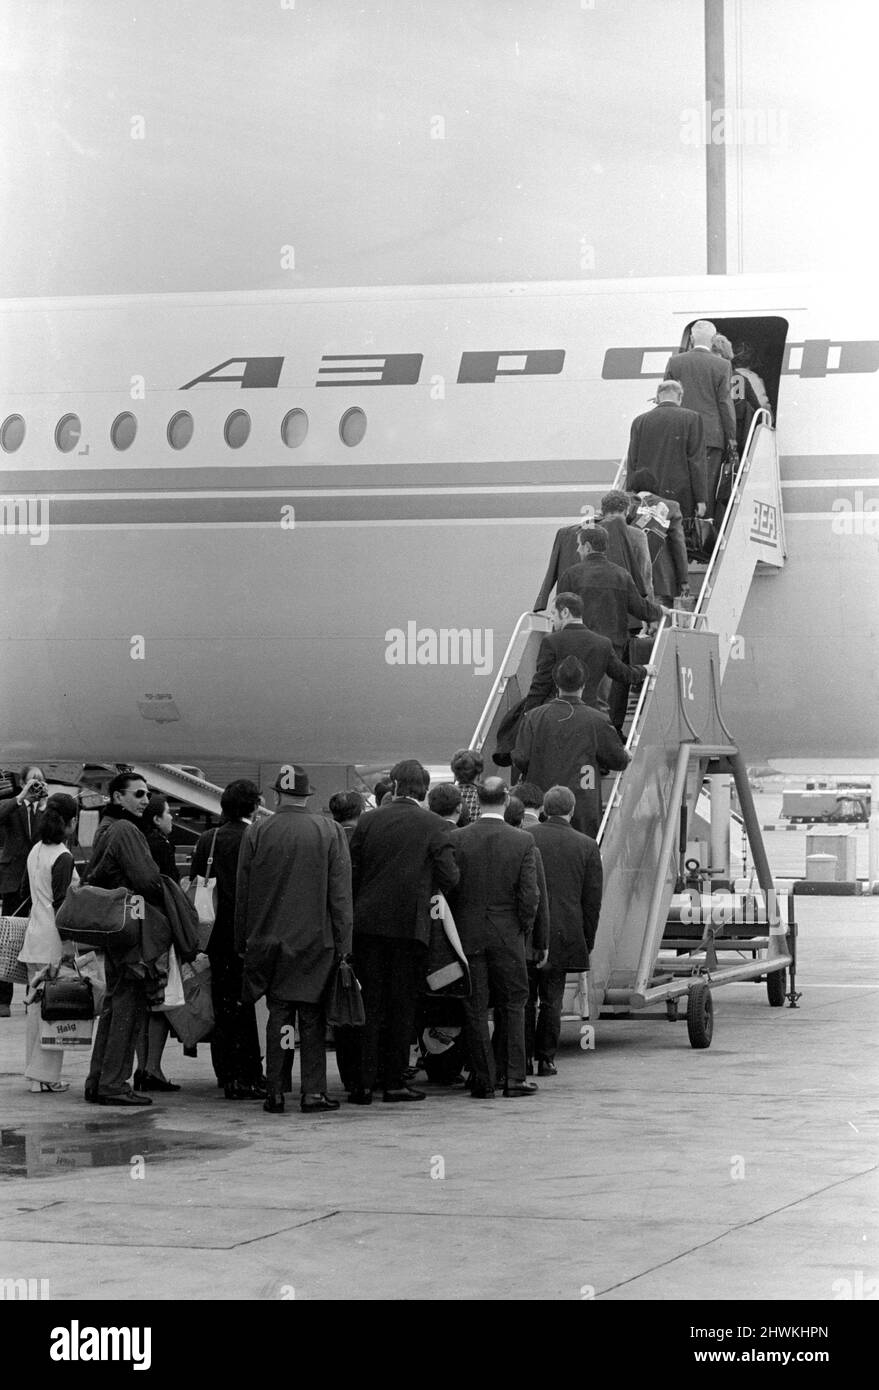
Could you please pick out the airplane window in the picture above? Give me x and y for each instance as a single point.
(12, 434)
(180, 429)
(123, 430)
(352, 426)
(294, 428)
(67, 433)
(237, 429)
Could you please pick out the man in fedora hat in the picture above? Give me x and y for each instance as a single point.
(293, 920)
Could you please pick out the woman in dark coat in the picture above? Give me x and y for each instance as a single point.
(157, 826)
(235, 1043)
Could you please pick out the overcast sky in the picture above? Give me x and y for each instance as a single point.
(418, 141)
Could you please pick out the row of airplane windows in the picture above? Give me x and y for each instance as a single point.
(181, 427)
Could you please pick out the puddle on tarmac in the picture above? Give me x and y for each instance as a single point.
(47, 1150)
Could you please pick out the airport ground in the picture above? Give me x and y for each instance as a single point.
(644, 1170)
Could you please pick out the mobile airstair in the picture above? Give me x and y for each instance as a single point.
(660, 936)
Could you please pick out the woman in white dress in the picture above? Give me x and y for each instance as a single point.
(50, 870)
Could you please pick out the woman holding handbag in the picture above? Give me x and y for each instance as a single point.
(157, 826)
(50, 871)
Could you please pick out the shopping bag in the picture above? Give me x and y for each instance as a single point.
(66, 1032)
(174, 996)
(344, 999)
(91, 966)
(12, 930)
(202, 893)
(195, 1020)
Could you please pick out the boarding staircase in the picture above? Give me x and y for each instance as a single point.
(677, 737)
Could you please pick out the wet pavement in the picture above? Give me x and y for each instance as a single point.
(645, 1169)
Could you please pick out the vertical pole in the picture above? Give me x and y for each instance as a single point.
(718, 788)
(755, 837)
(873, 835)
(655, 925)
(715, 154)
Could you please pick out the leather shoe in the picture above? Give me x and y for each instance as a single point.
(90, 1092)
(521, 1088)
(482, 1093)
(403, 1093)
(126, 1098)
(274, 1102)
(311, 1103)
(547, 1069)
(360, 1096)
(148, 1082)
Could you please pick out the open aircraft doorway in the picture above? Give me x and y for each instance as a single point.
(766, 339)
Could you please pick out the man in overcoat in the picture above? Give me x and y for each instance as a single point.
(495, 905)
(705, 378)
(401, 859)
(572, 864)
(566, 743)
(293, 920)
(670, 442)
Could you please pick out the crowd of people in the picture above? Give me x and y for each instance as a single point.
(473, 893)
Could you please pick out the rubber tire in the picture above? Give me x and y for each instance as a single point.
(776, 988)
(700, 1016)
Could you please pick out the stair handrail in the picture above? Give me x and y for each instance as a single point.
(762, 420)
(501, 681)
(634, 734)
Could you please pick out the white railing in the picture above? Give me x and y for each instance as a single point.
(762, 419)
(528, 622)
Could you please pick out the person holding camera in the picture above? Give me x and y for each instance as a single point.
(20, 820)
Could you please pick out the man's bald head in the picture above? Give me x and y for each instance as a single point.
(492, 792)
(702, 332)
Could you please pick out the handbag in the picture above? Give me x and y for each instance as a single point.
(202, 893)
(699, 537)
(344, 1005)
(195, 1020)
(12, 932)
(66, 997)
(109, 918)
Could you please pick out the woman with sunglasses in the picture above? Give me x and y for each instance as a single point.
(121, 859)
(157, 825)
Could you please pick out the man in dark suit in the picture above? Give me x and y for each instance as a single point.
(670, 442)
(401, 858)
(663, 525)
(293, 922)
(610, 600)
(495, 905)
(19, 825)
(562, 557)
(705, 378)
(565, 743)
(572, 864)
(594, 652)
(626, 545)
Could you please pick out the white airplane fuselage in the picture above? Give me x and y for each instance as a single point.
(268, 602)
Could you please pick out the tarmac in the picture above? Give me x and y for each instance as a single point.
(644, 1170)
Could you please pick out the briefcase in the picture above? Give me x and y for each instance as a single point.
(344, 1000)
